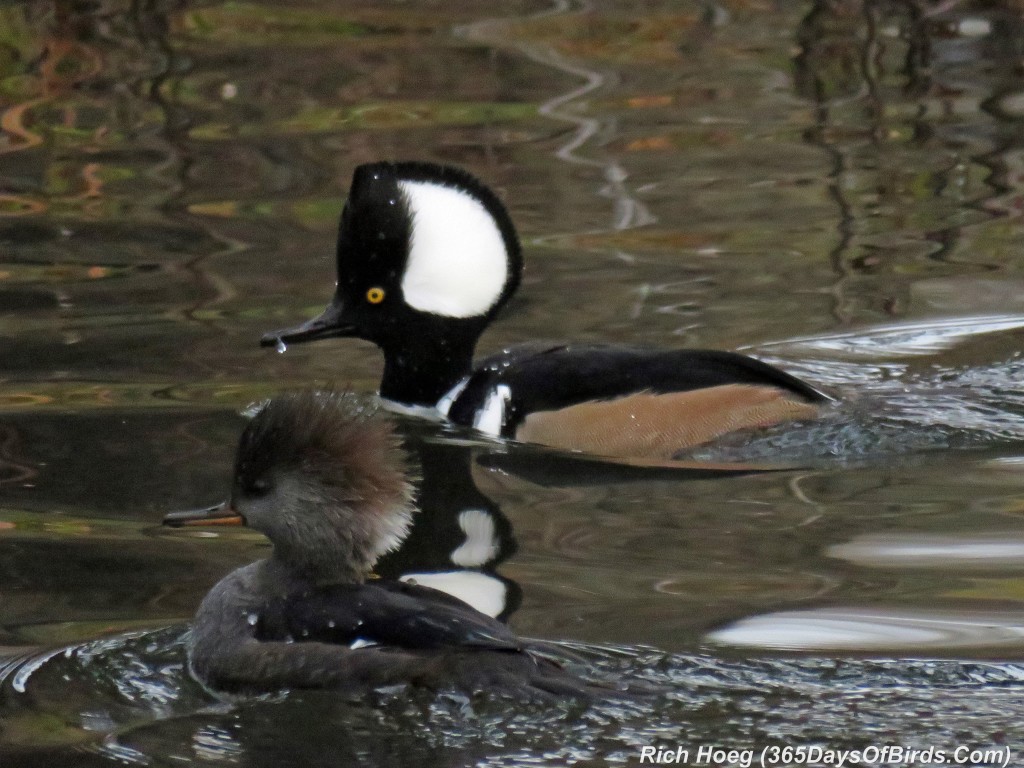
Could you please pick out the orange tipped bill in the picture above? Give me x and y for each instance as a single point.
(219, 514)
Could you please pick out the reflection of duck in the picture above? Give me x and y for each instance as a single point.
(325, 481)
(459, 536)
(427, 255)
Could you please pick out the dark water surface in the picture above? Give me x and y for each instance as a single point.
(836, 188)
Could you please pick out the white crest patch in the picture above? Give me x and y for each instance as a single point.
(457, 259)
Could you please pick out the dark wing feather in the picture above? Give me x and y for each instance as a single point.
(546, 377)
(389, 613)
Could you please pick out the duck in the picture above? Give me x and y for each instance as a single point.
(324, 477)
(427, 255)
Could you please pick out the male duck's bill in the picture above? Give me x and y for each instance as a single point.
(328, 325)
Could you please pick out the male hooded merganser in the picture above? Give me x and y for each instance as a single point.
(427, 255)
(325, 480)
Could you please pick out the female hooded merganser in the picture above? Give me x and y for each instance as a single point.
(325, 480)
(426, 257)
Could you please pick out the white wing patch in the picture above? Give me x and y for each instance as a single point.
(491, 416)
(457, 260)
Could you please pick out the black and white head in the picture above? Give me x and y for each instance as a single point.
(424, 250)
(325, 479)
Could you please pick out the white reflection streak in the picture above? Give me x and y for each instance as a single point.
(628, 211)
(20, 679)
(930, 551)
(871, 630)
(923, 337)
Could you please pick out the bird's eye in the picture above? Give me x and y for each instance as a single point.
(375, 295)
(259, 486)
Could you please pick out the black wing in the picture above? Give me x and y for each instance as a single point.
(550, 377)
(390, 613)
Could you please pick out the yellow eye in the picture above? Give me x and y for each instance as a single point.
(375, 295)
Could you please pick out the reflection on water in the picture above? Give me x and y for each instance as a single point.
(876, 630)
(899, 340)
(459, 536)
(142, 709)
(834, 185)
(993, 551)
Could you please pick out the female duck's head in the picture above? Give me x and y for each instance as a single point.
(325, 479)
